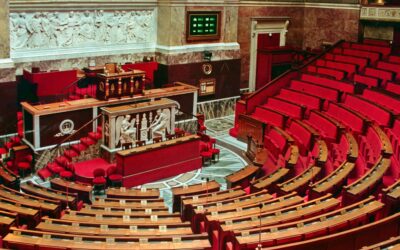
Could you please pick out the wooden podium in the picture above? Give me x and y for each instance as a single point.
(115, 83)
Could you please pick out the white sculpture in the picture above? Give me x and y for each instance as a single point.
(160, 124)
(44, 30)
(125, 129)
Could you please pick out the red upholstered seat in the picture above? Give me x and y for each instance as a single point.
(70, 154)
(55, 168)
(215, 153)
(8, 145)
(69, 173)
(206, 155)
(99, 180)
(113, 176)
(23, 166)
(94, 135)
(10, 164)
(62, 161)
(87, 141)
(3, 151)
(79, 147)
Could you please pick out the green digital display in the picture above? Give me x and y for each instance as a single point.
(203, 25)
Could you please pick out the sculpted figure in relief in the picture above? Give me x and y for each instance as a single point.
(35, 28)
(101, 26)
(19, 30)
(86, 28)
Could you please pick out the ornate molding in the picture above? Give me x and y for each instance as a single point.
(380, 14)
(67, 5)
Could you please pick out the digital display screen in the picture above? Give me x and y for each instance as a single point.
(203, 25)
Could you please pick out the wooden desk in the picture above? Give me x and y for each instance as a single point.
(299, 229)
(46, 206)
(196, 189)
(132, 193)
(391, 197)
(242, 177)
(322, 156)
(7, 220)
(26, 213)
(92, 228)
(192, 201)
(361, 187)
(269, 181)
(333, 182)
(299, 183)
(20, 238)
(293, 213)
(129, 203)
(9, 178)
(253, 209)
(147, 219)
(393, 243)
(84, 191)
(48, 193)
(124, 211)
(353, 152)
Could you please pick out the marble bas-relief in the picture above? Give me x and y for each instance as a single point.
(44, 30)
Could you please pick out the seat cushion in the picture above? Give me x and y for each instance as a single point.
(66, 174)
(215, 151)
(99, 180)
(115, 177)
(24, 165)
(206, 154)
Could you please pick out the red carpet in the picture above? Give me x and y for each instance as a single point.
(84, 170)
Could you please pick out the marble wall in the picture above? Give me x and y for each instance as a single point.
(330, 25)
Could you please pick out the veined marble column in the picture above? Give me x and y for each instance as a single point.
(7, 72)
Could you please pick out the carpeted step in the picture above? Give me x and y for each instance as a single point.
(78, 148)
(44, 173)
(19, 116)
(95, 135)
(62, 161)
(70, 154)
(87, 141)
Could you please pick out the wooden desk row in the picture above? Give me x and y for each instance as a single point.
(132, 193)
(129, 203)
(300, 182)
(323, 224)
(124, 211)
(93, 228)
(200, 211)
(293, 213)
(28, 239)
(189, 202)
(46, 206)
(26, 213)
(8, 177)
(333, 182)
(242, 177)
(121, 219)
(196, 189)
(7, 220)
(71, 199)
(254, 208)
(84, 191)
(269, 181)
(365, 185)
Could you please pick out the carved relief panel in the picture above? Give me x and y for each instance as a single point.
(46, 30)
